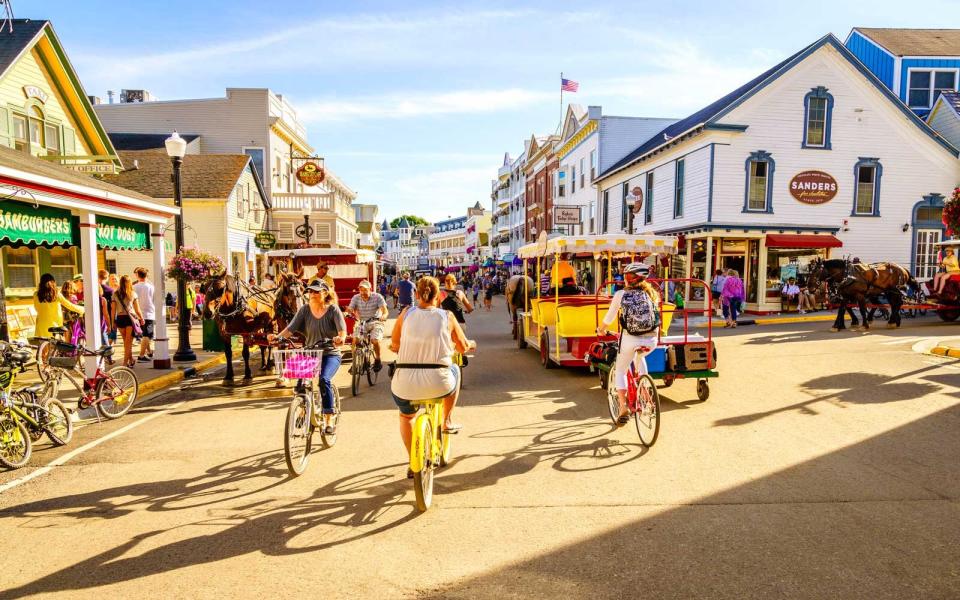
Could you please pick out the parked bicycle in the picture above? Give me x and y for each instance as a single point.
(643, 400)
(304, 416)
(363, 356)
(112, 393)
(74, 334)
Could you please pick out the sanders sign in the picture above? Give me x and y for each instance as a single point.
(813, 187)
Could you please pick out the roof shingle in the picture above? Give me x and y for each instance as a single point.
(915, 42)
(203, 175)
(12, 43)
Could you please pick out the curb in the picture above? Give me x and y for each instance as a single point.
(946, 351)
(167, 379)
(775, 320)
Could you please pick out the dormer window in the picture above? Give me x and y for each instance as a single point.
(817, 117)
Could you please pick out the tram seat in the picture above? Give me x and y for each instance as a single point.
(545, 313)
(581, 319)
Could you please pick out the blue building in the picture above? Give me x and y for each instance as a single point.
(916, 64)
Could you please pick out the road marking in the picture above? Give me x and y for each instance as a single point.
(906, 340)
(88, 446)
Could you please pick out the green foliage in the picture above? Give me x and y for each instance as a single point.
(413, 220)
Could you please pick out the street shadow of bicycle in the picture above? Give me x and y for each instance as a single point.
(342, 511)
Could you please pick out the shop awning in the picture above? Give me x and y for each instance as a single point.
(22, 222)
(788, 240)
(120, 234)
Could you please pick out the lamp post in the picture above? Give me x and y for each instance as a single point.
(305, 231)
(176, 148)
(634, 200)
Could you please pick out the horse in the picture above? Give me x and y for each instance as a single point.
(225, 303)
(516, 295)
(856, 283)
(289, 298)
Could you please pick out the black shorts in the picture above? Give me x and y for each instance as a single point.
(123, 321)
(147, 328)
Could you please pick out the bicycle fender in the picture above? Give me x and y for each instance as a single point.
(421, 435)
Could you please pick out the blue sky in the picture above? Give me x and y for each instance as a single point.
(413, 104)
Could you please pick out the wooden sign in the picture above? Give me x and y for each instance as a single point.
(310, 174)
(813, 187)
(566, 215)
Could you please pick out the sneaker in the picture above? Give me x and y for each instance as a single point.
(802, 312)
(143, 359)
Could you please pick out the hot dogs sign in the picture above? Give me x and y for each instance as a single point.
(813, 187)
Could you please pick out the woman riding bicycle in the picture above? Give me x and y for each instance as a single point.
(424, 338)
(637, 298)
(322, 324)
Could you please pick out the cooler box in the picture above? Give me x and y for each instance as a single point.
(657, 360)
(691, 357)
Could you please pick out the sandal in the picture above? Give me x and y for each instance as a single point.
(452, 428)
(409, 473)
(623, 419)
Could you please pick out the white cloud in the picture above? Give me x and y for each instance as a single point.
(402, 105)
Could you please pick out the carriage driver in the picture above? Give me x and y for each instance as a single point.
(367, 305)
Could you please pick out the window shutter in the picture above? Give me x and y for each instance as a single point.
(69, 141)
(285, 232)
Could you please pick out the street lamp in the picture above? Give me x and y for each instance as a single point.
(176, 148)
(305, 231)
(634, 201)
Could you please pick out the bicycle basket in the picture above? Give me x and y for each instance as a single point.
(299, 364)
(63, 362)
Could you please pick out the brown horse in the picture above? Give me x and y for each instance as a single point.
(235, 315)
(855, 283)
(516, 292)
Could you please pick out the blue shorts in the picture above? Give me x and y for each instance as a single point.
(408, 408)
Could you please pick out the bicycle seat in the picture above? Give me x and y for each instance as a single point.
(105, 350)
(60, 330)
(34, 389)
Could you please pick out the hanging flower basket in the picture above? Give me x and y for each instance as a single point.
(194, 265)
(951, 213)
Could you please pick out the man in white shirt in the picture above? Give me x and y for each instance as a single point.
(791, 293)
(144, 291)
(369, 305)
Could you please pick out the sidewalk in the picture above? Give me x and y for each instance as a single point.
(819, 316)
(947, 348)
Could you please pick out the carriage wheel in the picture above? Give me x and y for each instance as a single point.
(545, 350)
(521, 341)
(948, 314)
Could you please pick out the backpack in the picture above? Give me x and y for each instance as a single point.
(638, 315)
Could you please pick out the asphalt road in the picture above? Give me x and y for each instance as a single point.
(823, 465)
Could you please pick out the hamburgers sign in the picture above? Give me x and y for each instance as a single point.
(310, 174)
(813, 187)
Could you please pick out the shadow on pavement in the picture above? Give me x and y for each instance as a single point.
(853, 388)
(355, 505)
(866, 521)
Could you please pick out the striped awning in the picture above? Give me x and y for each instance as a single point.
(575, 244)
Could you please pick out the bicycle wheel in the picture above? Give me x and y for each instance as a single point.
(57, 422)
(116, 394)
(371, 374)
(444, 459)
(329, 439)
(298, 435)
(44, 350)
(647, 418)
(421, 461)
(15, 444)
(356, 370)
(613, 401)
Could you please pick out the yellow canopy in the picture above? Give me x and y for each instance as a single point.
(575, 244)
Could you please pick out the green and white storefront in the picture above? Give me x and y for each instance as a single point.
(55, 221)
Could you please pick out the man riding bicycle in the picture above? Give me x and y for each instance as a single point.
(638, 308)
(370, 305)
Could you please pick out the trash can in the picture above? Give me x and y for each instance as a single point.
(212, 342)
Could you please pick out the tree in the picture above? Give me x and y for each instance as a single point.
(413, 220)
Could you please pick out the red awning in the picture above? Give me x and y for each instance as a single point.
(788, 240)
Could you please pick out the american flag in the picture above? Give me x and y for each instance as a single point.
(569, 85)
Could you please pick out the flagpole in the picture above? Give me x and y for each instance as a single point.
(560, 127)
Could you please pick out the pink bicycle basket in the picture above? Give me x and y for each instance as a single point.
(300, 366)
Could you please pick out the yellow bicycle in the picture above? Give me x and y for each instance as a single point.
(429, 448)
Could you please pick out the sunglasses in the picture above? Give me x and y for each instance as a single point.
(324, 267)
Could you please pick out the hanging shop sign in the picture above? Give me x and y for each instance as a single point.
(813, 187)
(265, 240)
(120, 234)
(566, 215)
(21, 222)
(310, 174)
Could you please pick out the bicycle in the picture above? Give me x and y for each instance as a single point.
(363, 356)
(643, 400)
(304, 414)
(112, 392)
(15, 443)
(46, 346)
(429, 444)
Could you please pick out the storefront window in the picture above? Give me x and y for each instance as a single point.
(62, 263)
(21, 267)
(784, 263)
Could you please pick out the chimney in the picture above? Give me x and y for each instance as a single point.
(94, 99)
(110, 96)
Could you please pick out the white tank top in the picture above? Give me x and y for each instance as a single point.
(425, 339)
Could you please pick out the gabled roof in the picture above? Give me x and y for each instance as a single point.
(206, 176)
(915, 42)
(144, 141)
(403, 224)
(951, 99)
(572, 120)
(29, 34)
(385, 226)
(710, 114)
